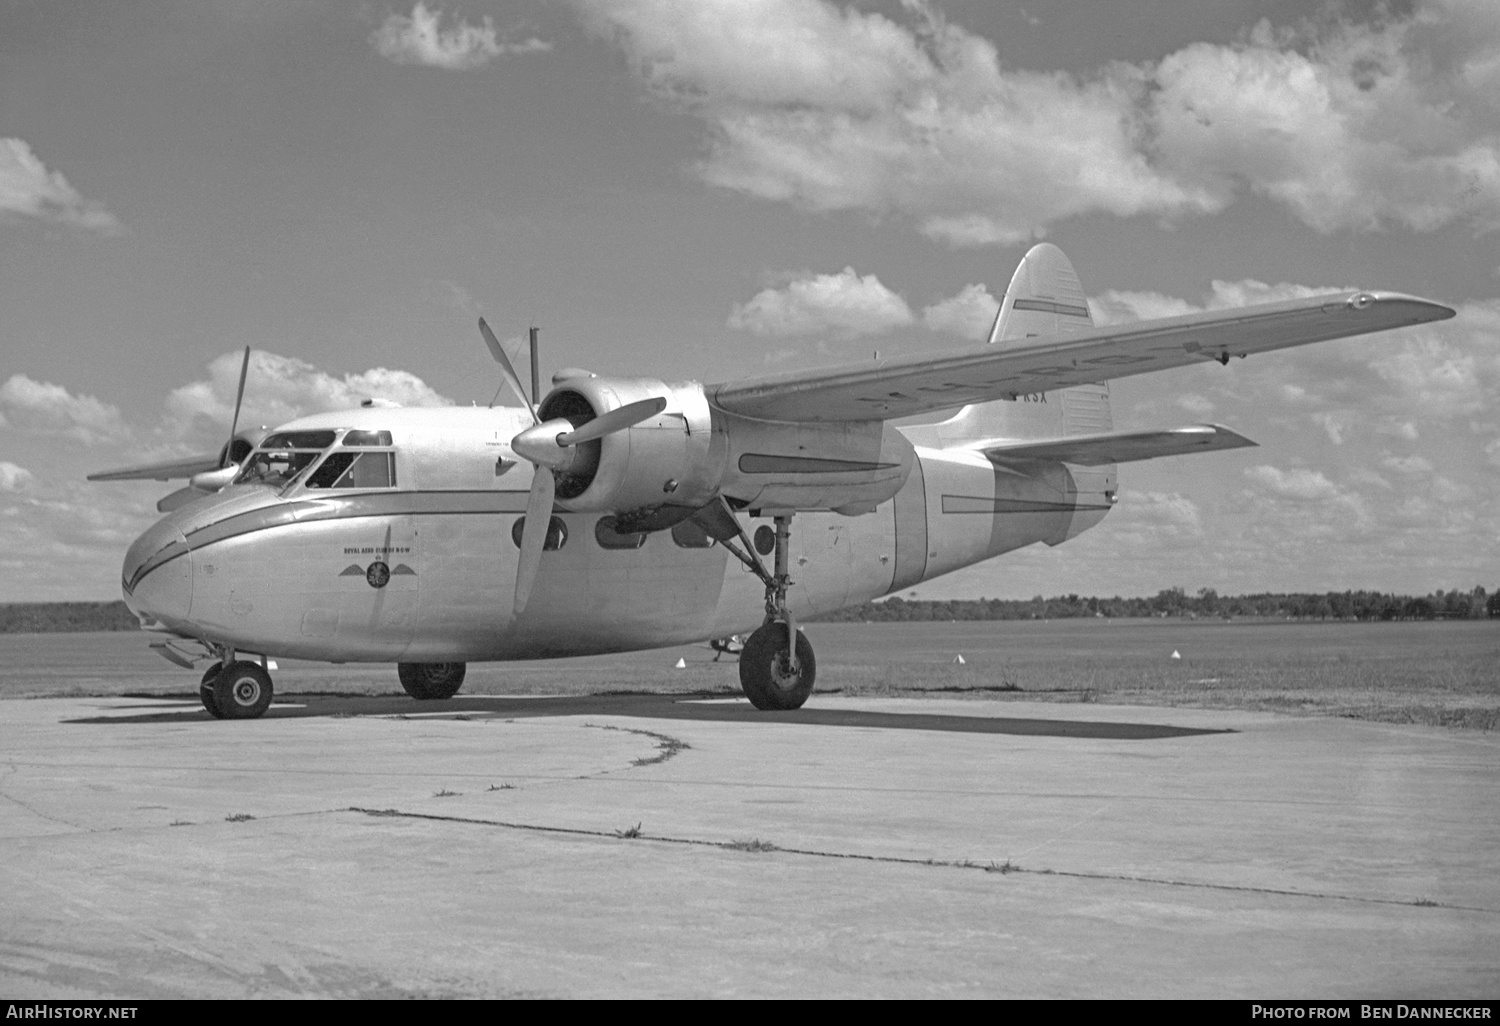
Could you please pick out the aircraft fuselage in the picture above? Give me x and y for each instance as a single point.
(423, 569)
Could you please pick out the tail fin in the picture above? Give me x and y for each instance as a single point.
(1044, 298)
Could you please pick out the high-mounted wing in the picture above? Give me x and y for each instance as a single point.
(1119, 446)
(165, 471)
(885, 389)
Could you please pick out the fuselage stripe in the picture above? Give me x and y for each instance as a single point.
(351, 507)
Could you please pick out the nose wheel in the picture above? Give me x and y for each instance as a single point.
(239, 691)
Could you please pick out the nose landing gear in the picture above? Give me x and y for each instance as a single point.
(239, 691)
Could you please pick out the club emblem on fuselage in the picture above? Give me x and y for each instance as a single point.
(377, 574)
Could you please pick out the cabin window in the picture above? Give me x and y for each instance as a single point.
(355, 470)
(367, 438)
(689, 535)
(557, 534)
(607, 534)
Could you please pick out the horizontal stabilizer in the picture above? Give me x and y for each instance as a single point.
(164, 471)
(1120, 446)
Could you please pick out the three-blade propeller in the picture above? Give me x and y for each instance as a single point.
(551, 447)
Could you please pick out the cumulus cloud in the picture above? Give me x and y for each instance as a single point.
(843, 304)
(282, 388)
(421, 39)
(1197, 405)
(41, 406)
(29, 189)
(13, 477)
(1350, 126)
(1116, 306)
(1305, 502)
(1410, 465)
(1166, 513)
(1307, 485)
(969, 315)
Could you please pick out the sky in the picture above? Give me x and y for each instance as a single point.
(724, 188)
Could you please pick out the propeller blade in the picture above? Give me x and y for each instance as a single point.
(239, 396)
(534, 533)
(511, 377)
(614, 420)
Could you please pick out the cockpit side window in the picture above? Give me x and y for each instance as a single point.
(275, 467)
(355, 470)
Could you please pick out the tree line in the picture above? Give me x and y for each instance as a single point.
(1333, 605)
(1475, 604)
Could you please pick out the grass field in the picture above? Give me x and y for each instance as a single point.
(1439, 673)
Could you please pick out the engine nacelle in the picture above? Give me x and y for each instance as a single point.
(849, 467)
(656, 472)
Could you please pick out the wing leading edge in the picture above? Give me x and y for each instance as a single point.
(886, 389)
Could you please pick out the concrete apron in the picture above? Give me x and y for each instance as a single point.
(651, 846)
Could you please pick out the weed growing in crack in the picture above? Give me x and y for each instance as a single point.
(501, 787)
(666, 745)
(634, 831)
(754, 844)
(1002, 867)
(445, 793)
(238, 817)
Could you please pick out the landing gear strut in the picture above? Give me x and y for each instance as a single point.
(777, 668)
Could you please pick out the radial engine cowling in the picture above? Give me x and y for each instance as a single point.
(654, 473)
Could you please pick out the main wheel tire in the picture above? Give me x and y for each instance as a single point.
(431, 681)
(242, 691)
(765, 675)
(206, 691)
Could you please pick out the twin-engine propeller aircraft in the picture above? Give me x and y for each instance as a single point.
(620, 512)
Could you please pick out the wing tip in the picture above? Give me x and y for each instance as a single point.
(1422, 310)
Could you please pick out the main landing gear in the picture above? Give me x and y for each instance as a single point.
(239, 691)
(777, 668)
(430, 681)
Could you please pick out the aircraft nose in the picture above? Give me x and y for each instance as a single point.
(158, 574)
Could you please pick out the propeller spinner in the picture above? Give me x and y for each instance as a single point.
(551, 447)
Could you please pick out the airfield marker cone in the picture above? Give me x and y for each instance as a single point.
(681, 664)
(1176, 654)
(958, 660)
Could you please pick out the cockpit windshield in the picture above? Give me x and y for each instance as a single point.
(283, 456)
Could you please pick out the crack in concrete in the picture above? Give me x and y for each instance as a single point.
(666, 745)
(988, 867)
(10, 770)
